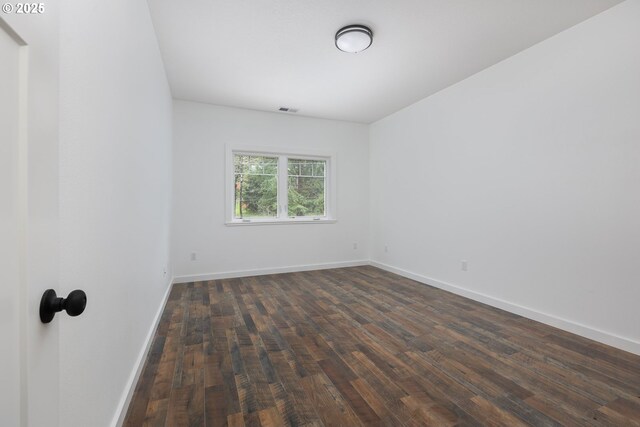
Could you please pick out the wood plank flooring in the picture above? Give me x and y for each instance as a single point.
(364, 347)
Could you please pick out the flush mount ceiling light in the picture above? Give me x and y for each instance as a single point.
(354, 38)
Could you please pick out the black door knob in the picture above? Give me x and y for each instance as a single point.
(50, 304)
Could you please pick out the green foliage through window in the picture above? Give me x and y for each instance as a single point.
(306, 187)
(256, 186)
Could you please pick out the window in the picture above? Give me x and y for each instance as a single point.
(267, 187)
(256, 186)
(306, 187)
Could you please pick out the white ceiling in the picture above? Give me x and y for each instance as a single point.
(263, 54)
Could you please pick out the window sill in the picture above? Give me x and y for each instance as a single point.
(279, 222)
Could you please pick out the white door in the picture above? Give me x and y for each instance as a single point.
(29, 366)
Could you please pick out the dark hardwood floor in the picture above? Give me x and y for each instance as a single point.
(360, 346)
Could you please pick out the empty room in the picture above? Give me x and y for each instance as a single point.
(320, 213)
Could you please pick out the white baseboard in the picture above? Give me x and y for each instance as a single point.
(127, 395)
(264, 271)
(546, 318)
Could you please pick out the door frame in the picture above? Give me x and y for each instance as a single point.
(21, 214)
(38, 189)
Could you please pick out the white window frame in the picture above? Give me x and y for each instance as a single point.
(282, 154)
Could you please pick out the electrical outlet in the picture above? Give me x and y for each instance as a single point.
(464, 265)
(194, 256)
(355, 246)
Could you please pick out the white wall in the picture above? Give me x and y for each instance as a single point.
(529, 170)
(200, 134)
(115, 186)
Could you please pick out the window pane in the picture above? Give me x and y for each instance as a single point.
(306, 189)
(293, 167)
(256, 186)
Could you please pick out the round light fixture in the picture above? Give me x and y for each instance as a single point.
(354, 38)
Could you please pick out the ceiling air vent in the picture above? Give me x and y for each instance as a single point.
(288, 110)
